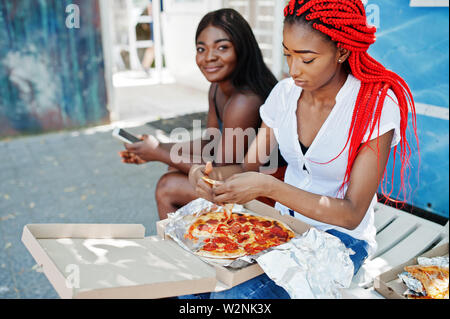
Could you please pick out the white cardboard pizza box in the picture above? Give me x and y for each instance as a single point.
(390, 286)
(233, 277)
(115, 261)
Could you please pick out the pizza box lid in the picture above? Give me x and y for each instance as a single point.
(114, 261)
(390, 286)
(233, 277)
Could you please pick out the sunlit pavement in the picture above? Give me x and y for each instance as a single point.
(65, 178)
(74, 177)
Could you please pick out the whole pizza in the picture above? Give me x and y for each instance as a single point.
(232, 235)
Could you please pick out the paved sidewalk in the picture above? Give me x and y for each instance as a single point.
(68, 177)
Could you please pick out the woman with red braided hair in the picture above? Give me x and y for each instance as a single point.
(335, 120)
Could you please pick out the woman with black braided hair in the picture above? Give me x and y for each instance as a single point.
(335, 119)
(229, 57)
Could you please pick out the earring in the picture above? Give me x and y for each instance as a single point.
(340, 61)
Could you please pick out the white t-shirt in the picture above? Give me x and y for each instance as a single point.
(279, 113)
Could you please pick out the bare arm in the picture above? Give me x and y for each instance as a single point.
(181, 156)
(241, 121)
(348, 212)
(241, 115)
(258, 154)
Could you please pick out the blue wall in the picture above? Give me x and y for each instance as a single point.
(414, 43)
(51, 76)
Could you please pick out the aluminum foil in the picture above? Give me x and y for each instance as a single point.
(180, 221)
(315, 265)
(415, 286)
(435, 261)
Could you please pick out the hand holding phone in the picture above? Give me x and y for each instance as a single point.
(125, 136)
(147, 150)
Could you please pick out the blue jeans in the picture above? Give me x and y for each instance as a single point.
(262, 287)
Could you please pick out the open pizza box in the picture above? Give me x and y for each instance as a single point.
(232, 277)
(117, 260)
(390, 286)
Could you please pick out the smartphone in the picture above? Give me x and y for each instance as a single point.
(124, 136)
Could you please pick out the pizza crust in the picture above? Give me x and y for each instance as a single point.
(209, 181)
(223, 255)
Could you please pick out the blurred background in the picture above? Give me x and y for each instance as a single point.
(71, 70)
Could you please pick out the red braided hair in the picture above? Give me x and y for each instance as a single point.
(345, 22)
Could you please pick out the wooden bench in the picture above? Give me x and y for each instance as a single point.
(400, 237)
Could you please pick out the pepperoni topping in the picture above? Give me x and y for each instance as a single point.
(221, 229)
(242, 219)
(210, 247)
(279, 232)
(266, 223)
(235, 228)
(248, 248)
(222, 240)
(253, 250)
(257, 230)
(269, 235)
(242, 238)
(213, 221)
(260, 240)
(245, 228)
(231, 246)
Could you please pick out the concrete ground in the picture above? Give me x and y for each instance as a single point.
(77, 177)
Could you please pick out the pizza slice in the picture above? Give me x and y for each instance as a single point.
(268, 233)
(208, 170)
(433, 278)
(223, 245)
(228, 209)
(209, 181)
(204, 225)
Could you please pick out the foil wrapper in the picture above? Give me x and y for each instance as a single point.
(181, 220)
(434, 261)
(315, 265)
(415, 286)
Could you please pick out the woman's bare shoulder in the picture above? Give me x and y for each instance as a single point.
(242, 99)
(243, 110)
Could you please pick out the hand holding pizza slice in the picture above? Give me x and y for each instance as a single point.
(228, 208)
(207, 171)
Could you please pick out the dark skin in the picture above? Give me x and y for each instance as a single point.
(216, 59)
(315, 64)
